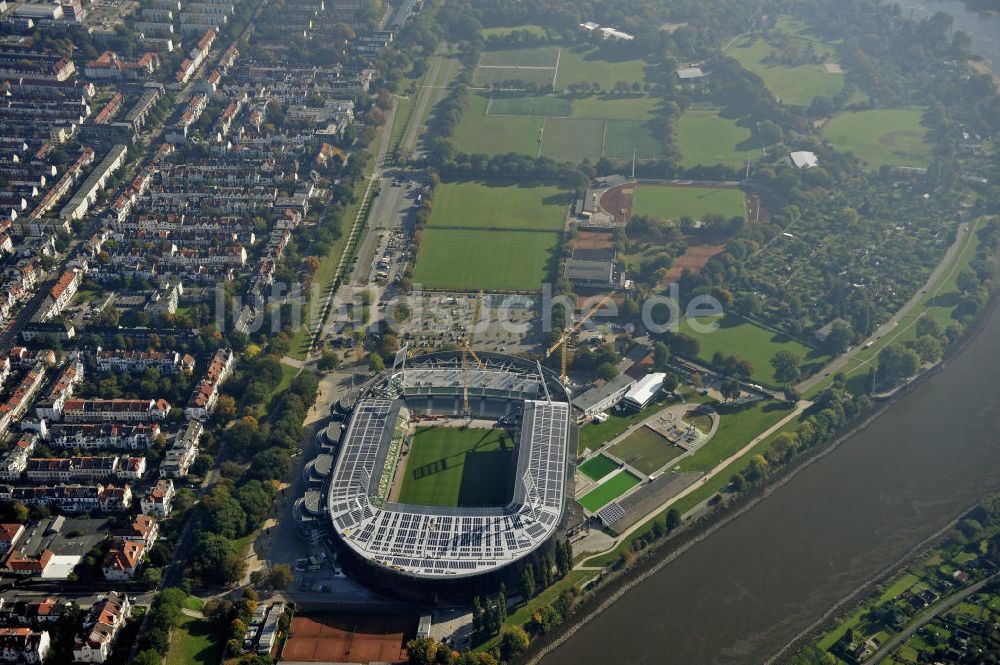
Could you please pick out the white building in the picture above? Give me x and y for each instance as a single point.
(644, 390)
(802, 159)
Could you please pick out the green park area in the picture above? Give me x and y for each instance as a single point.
(609, 490)
(646, 450)
(597, 467)
(449, 466)
(705, 138)
(881, 137)
(737, 426)
(490, 238)
(473, 205)
(195, 641)
(816, 72)
(592, 435)
(666, 202)
(748, 341)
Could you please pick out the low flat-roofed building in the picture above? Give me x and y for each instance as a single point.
(644, 390)
(603, 397)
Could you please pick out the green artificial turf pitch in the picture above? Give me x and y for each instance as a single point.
(609, 490)
(597, 467)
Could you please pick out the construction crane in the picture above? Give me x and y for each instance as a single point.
(563, 341)
(466, 352)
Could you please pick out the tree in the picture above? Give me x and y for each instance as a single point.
(839, 338)
(225, 407)
(607, 371)
(673, 519)
(421, 651)
(375, 363)
(661, 357)
(928, 348)
(730, 389)
(528, 582)
(280, 576)
(513, 642)
(786, 366)
(330, 360)
(897, 362)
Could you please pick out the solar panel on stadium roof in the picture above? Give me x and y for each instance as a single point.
(611, 513)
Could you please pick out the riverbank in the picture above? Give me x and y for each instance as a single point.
(653, 563)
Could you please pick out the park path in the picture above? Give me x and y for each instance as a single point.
(800, 407)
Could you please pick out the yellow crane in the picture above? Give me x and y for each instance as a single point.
(563, 341)
(466, 352)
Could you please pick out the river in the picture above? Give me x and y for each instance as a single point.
(740, 595)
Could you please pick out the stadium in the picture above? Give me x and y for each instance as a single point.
(452, 466)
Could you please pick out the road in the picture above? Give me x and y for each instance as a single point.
(940, 608)
(947, 264)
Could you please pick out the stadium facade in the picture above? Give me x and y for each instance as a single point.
(419, 549)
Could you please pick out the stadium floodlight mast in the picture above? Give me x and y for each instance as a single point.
(541, 377)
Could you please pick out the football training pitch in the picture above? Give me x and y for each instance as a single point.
(880, 137)
(490, 238)
(609, 490)
(666, 202)
(597, 467)
(705, 139)
(449, 466)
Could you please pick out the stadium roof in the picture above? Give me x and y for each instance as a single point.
(438, 542)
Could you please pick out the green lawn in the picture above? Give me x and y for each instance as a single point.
(646, 450)
(448, 466)
(609, 490)
(503, 31)
(487, 76)
(736, 336)
(474, 205)
(531, 105)
(694, 202)
(573, 139)
(792, 85)
(880, 137)
(535, 56)
(624, 138)
(499, 261)
(195, 641)
(597, 467)
(736, 429)
(705, 139)
(639, 107)
(586, 64)
(478, 133)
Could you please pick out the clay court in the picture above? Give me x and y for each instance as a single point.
(594, 240)
(354, 639)
(693, 260)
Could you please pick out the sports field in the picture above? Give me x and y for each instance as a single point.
(562, 128)
(474, 260)
(535, 65)
(609, 490)
(474, 205)
(665, 202)
(479, 133)
(705, 139)
(791, 85)
(503, 31)
(879, 137)
(587, 64)
(736, 336)
(448, 466)
(646, 450)
(597, 467)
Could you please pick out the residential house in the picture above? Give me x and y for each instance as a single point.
(101, 628)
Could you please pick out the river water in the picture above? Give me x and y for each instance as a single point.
(740, 595)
